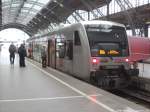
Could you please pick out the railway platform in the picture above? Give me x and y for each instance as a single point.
(34, 89)
(144, 70)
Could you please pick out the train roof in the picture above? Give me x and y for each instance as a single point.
(94, 22)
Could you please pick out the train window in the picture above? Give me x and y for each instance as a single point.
(77, 41)
(60, 47)
(62, 51)
(69, 51)
(106, 49)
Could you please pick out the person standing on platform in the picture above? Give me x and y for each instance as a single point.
(43, 56)
(29, 52)
(12, 50)
(22, 54)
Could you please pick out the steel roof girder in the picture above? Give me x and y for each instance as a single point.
(18, 26)
(19, 10)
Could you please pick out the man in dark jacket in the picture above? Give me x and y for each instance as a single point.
(43, 56)
(22, 54)
(12, 50)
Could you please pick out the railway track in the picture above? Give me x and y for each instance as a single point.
(140, 94)
(140, 97)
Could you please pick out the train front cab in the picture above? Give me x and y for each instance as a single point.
(109, 48)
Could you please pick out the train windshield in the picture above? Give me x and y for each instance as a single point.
(106, 40)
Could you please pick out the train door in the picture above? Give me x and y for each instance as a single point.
(68, 61)
(60, 52)
(51, 53)
(64, 52)
(77, 55)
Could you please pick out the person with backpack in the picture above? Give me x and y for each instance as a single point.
(12, 50)
(22, 54)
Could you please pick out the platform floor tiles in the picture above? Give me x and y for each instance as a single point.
(33, 89)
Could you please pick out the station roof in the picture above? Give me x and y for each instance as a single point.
(139, 15)
(32, 15)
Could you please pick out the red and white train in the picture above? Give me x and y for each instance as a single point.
(96, 51)
(140, 48)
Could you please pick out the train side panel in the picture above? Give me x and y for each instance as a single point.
(139, 48)
(72, 51)
(67, 60)
(51, 52)
(36, 47)
(81, 51)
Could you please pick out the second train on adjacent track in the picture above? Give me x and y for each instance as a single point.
(94, 51)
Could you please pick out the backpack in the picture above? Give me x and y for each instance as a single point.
(12, 49)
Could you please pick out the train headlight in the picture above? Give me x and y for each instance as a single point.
(127, 60)
(95, 61)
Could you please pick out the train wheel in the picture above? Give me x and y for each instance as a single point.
(93, 78)
(102, 79)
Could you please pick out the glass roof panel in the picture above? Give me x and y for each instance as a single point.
(23, 11)
(6, 0)
(15, 5)
(37, 7)
(43, 1)
(20, 11)
(27, 5)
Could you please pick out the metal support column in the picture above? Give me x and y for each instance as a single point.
(107, 11)
(88, 15)
(127, 14)
(0, 14)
